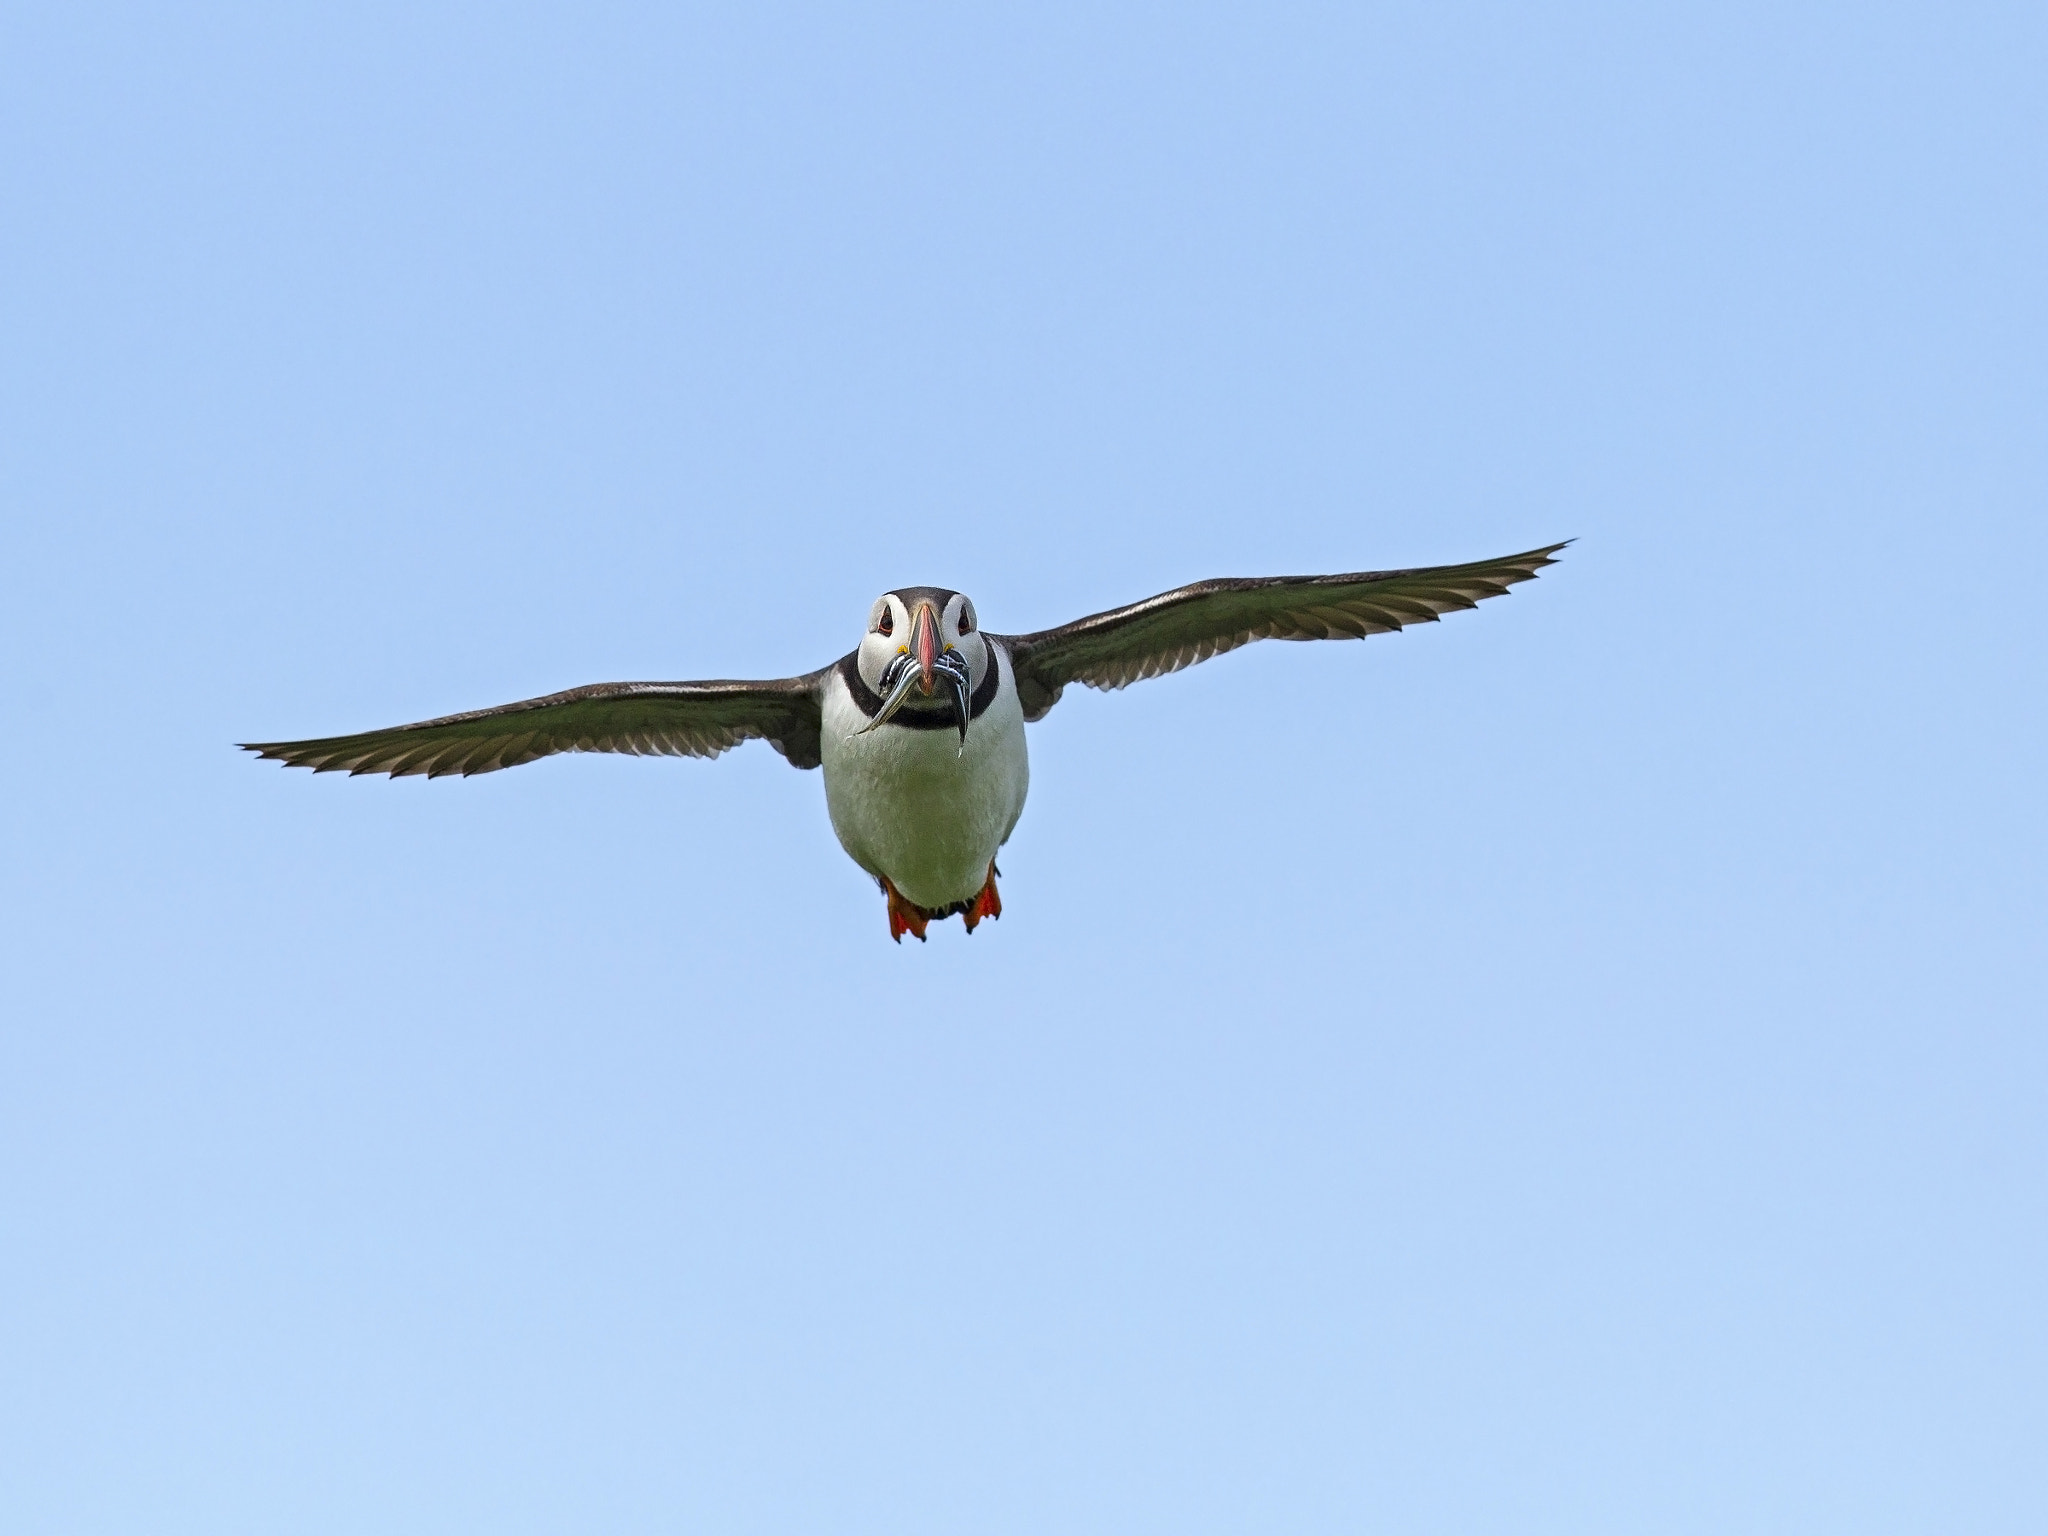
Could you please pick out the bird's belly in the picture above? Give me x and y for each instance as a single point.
(918, 807)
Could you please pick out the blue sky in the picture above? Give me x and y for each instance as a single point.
(1577, 1068)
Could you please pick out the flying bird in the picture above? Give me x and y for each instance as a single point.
(920, 728)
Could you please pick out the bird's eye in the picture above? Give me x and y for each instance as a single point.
(966, 622)
(887, 623)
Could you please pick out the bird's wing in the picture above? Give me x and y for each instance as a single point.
(647, 719)
(1189, 624)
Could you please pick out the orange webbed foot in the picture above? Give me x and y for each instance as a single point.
(988, 904)
(904, 916)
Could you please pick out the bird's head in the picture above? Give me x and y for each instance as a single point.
(923, 652)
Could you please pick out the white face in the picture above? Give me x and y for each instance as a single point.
(888, 634)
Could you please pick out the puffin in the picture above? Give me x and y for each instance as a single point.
(920, 728)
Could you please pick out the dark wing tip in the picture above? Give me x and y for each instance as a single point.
(286, 752)
(301, 754)
(1529, 562)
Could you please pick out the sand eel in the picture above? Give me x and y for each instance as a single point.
(920, 729)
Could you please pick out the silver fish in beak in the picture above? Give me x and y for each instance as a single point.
(952, 667)
(907, 674)
(902, 676)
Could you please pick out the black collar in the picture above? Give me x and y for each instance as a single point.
(869, 702)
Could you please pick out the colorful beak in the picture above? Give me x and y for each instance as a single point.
(924, 644)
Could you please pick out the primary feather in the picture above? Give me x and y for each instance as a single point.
(1190, 624)
(645, 719)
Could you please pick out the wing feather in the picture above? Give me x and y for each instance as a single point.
(1191, 624)
(643, 719)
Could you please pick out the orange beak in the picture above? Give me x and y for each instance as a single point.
(924, 644)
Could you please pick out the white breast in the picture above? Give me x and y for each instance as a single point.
(920, 807)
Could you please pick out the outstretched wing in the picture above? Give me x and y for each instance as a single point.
(647, 719)
(1189, 624)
